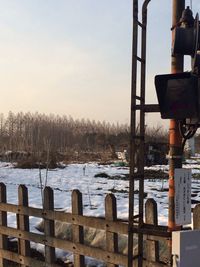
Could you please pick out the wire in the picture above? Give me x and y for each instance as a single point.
(187, 132)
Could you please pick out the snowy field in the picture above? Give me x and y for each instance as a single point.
(94, 189)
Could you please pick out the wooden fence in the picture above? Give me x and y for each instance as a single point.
(112, 226)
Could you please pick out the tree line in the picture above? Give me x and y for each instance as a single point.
(38, 132)
(50, 136)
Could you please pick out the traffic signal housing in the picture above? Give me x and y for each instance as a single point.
(186, 39)
(178, 95)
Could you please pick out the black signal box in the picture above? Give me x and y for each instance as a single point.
(178, 95)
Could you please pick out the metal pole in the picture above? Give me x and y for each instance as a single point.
(175, 139)
(141, 162)
(133, 131)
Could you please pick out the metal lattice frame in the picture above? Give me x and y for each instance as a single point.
(137, 140)
(137, 135)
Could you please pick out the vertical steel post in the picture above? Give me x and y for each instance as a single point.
(141, 162)
(175, 139)
(133, 131)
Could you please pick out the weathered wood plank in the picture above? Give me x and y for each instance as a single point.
(77, 231)
(3, 222)
(196, 217)
(151, 217)
(153, 264)
(89, 221)
(9, 231)
(49, 227)
(153, 231)
(111, 215)
(23, 222)
(157, 238)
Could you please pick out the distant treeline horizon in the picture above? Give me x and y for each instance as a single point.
(36, 132)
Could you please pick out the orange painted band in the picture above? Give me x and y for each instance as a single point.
(171, 192)
(171, 226)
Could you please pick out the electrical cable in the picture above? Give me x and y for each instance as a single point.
(186, 131)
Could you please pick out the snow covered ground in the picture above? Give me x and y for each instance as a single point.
(94, 189)
(63, 181)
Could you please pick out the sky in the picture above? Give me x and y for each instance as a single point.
(73, 57)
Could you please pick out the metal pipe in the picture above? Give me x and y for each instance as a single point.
(144, 9)
(175, 139)
(133, 130)
(142, 130)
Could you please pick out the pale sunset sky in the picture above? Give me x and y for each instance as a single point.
(73, 57)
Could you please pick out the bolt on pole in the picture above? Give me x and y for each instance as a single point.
(175, 139)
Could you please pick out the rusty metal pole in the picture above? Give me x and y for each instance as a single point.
(175, 139)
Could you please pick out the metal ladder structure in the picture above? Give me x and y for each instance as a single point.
(137, 142)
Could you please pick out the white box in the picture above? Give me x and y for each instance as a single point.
(186, 248)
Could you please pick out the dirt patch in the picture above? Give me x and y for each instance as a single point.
(102, 175)
(148, 174)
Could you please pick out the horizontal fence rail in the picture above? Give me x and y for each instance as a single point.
(111, 225)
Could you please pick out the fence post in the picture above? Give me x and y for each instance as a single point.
(77, 231)
(196, 217)
(3, 222)
(151, 217)
(111, 215)
(49, 225)
(23, 222)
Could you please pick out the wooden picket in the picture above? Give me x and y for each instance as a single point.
(151, 217)
(77, 230)
(23, 223)
(111, 215)
(3, 222)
